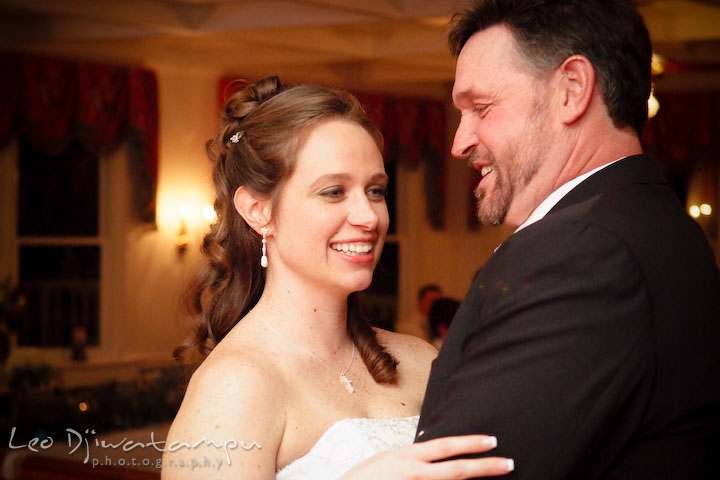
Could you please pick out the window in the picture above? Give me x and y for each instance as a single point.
(59, 247)
(380, 300)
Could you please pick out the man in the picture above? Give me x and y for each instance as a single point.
(417, 324)
(590, 342)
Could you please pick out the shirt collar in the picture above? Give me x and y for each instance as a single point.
(552, 199)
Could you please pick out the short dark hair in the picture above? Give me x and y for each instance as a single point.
(609, 33)
(442, 312)
(430, 287)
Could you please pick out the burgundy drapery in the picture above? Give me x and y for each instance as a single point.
(52, 102)
(685, 130)
(685, 136)
(414, 134)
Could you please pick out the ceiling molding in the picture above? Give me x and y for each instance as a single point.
(379, 40)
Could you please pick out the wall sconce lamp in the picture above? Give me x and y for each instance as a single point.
(209, 214)
(183, 239)
(653, 104)
(187, 220)
(657, 67)
(697, 210)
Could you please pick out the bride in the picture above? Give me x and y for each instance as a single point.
(295, 384)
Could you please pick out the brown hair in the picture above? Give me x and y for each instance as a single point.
(261, 130)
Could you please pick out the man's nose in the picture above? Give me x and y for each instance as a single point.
(465, 139)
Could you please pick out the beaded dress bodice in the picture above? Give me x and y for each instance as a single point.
(347, 443)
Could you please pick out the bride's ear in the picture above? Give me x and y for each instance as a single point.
(255, 211)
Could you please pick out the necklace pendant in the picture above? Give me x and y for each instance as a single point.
(347, 383)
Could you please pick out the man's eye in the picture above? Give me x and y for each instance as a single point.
(481, 110)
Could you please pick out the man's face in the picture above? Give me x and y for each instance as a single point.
(504, 125)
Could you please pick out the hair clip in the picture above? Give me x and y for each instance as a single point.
(236, 137)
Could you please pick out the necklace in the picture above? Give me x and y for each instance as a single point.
(347, 383)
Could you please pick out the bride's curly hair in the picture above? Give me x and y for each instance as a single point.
(256, 147)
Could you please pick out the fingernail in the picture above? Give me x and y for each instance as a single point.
(490, 441)
(510, 464)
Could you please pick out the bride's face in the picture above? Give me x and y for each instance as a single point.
(331, 217)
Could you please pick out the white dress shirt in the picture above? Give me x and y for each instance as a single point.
(552, 199)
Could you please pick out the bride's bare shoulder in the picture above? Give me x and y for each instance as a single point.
(408, 349)
(245, 377)
(234, 368)
(402, 341)
(233, 396)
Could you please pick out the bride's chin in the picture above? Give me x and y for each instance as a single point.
(359, 285)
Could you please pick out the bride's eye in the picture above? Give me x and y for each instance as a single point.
(377, 192)
(333, 192)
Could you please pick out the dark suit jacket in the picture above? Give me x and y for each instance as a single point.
(590, 342)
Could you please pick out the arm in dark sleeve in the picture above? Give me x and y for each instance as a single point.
(558, 362)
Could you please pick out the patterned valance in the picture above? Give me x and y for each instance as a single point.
(414, 131)
(52, 103)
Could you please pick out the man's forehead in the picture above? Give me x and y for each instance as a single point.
(465, 95)
(488, 42)
(488, 57)
(473, 77)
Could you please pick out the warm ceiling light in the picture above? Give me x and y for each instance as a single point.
(705, 209)
(694, 211)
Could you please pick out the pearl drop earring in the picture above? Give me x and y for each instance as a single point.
(263, 258)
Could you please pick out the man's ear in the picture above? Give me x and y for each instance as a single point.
(576, 87)
(255, 211)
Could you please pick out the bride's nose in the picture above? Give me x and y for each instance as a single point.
(361, 213)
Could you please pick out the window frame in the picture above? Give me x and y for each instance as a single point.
(113, 218)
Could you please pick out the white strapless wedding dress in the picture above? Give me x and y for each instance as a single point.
(347, 443)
